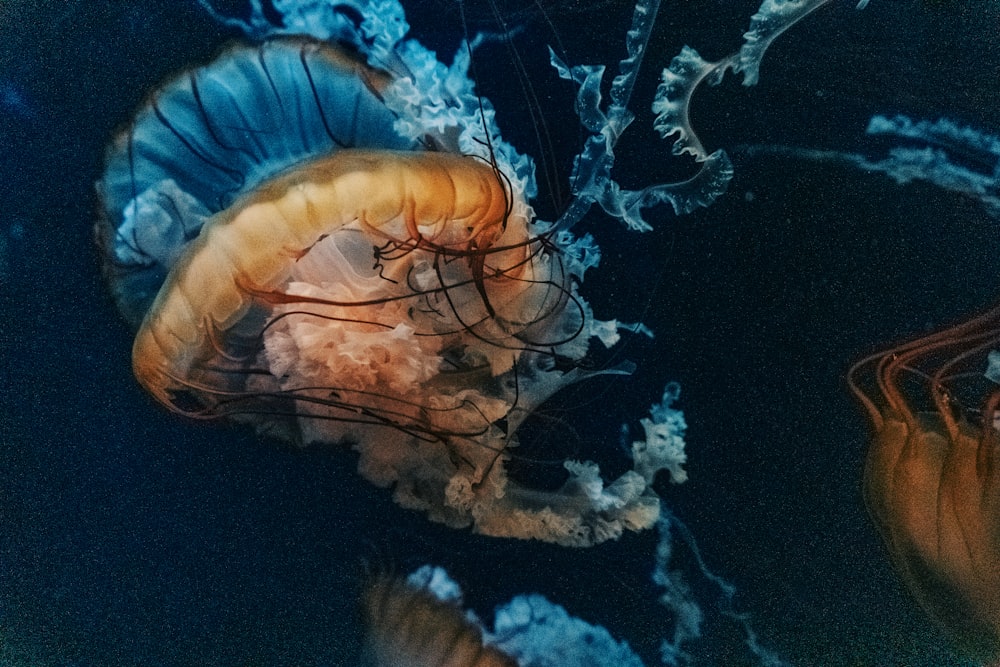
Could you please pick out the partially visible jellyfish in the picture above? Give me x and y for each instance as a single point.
(419, 621)
(932, 476)
(932, 482)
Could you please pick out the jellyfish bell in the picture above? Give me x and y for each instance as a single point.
(408, 625)
(932, 482)
(420, 621)
(258, 255)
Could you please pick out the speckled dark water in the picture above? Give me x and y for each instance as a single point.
(131, 537)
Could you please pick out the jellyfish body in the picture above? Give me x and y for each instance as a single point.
(303, 247)
(420, 621)
(409, 626)
(932, 476)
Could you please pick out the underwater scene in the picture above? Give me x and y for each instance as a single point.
(499, 332)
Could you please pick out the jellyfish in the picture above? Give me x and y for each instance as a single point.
(419, 620)
(325, 235)
(410, 624)
(931, 478)
(335, 244)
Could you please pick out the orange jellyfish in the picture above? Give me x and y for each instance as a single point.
(338, 253)
(932, 476)
(419, 621)
(408, 625)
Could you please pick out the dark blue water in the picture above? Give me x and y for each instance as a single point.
(131, 537)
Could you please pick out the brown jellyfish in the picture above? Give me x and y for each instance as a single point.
(419, 621)
(408, 626)
(932, 475)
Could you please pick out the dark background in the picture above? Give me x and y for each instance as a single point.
(131, 537)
